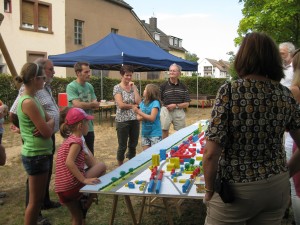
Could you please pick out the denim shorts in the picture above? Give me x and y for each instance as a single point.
(35, 165)
(149, 141)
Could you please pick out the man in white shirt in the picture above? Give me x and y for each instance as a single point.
(286, 50)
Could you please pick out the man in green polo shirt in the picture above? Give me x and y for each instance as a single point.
(81, 94)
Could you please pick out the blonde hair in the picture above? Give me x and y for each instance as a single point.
(152, 93)
(296, 67)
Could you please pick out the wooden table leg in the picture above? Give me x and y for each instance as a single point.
(115, 203)
(130, 209)
(142, 210)
(169, 216)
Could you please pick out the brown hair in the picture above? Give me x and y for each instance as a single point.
(259, 55)
(152, 93)
(78, 66)
(65, 129)
(28, 72)
(125, 69)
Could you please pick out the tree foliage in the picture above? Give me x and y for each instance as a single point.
(232, 71)
(278, 18)
(191, 57)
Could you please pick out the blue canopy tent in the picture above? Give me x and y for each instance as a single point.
(114, 50)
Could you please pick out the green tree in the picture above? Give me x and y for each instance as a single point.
(278, 18)
(232, 71)
(191, 57)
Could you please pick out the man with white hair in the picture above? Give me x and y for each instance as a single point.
(286, 50)
(175, 98)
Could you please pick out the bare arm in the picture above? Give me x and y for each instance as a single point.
(180, 106)
(145, 116)
(85, 105)
(211, 157)
(70, 163)
(293, 164)
(137, 97)
(296, 93)
(30, 108)
(121, 104)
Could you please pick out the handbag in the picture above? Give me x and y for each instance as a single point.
(225, 191)
(222, 186)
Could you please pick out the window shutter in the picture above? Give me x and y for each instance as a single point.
(43, 16)
(28, 12)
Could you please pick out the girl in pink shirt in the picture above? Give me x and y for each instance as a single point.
(70, 173)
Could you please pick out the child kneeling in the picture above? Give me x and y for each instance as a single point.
(70, 172)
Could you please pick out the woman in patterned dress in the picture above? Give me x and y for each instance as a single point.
(128, 128)
(245, 139)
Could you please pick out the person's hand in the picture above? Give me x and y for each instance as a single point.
(36, 133)
(14, 129)
(131, 84)
(208, 196)
(91, 181)
(171, 107)
(95, 105)
(135, 108)
(139, 118)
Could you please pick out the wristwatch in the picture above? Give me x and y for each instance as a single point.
(177, 106)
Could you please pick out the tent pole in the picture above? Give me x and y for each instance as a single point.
(140, 84)
(101, 84)
(197, 91)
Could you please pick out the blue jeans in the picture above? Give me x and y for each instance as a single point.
(36, 165)
(128, 134)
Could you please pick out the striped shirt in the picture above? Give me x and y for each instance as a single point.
(64, 179)
(47, 101)
(174, 93)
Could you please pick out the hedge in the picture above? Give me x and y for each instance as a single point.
(207, 86)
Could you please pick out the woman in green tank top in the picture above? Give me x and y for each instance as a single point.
(36, 129)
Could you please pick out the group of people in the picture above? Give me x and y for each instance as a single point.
(245, 150)
(36, 116)
(252, 120)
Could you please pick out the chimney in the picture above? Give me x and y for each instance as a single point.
(153, 23)
(143, 21)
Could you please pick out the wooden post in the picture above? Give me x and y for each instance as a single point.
(7, 57)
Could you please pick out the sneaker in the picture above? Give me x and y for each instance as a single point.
(43, 221)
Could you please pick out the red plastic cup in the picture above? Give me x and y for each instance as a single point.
(62, 100)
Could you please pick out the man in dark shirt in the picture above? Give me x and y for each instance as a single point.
(175, 98)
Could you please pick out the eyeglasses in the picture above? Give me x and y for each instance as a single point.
(41, 77)
(296, 51)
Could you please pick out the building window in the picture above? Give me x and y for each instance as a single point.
(171, 41)
(157, 36)
(175, 41)
(36, 16)
(114, 30)
(180, 43)
(7, 6)
(78, 30)
(33, 55)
